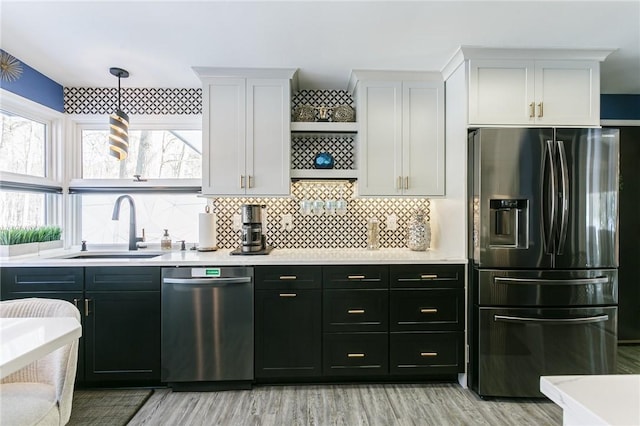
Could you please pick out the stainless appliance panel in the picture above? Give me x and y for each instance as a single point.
(508, 184)
(546, 287)
(517, 346)
(207, 325)
(587, 198)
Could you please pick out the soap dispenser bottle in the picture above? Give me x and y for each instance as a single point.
(165, 242)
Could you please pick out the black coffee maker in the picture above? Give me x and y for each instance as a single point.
(253, 238)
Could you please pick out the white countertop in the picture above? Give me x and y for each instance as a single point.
(224, 258)
(595, 400)
(25, 340)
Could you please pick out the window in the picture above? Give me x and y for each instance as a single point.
(166, 151)
(155, 154)
(22, 145)
(30, 185)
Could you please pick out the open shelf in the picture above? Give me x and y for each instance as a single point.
(324, 127)
(323, 174)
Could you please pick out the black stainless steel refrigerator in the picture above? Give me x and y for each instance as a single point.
(543, 214)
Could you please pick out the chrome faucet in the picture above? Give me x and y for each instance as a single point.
(133, 240)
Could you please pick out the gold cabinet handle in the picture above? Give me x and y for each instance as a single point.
(355, 311)
(250, 180)
(428, 354)
(356, 277)
(355, 355)
(288, 277)
(406, 182)
(540, 111)
(288, 294)
(75, 302)
(241, 181)
(428, 311)
(532, 109)
(399, 182)
(429, 276)
(86, 307)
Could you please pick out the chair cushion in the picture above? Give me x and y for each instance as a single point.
(28, 404)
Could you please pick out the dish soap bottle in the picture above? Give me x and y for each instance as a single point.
(165, 242)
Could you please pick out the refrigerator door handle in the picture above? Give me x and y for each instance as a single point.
(581, 320)
(564, 208)
(551, 213)
(535, 281)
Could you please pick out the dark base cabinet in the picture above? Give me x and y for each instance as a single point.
(356, 354)
(287, 325)
(426, 353)
(120, 315)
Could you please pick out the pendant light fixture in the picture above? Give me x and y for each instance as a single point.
(119, 124)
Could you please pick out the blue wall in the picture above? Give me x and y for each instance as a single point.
(620, 107)
(37, 87)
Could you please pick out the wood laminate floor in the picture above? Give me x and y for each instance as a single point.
(367, 404)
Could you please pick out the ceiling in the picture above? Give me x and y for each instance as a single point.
(75, 42)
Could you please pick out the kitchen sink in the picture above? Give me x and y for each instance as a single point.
(112, 255)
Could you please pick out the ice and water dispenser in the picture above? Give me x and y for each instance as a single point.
(509, 220)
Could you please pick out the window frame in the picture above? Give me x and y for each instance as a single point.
(78, 185)
(53, 179)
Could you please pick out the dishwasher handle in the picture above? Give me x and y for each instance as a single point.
(207, 281)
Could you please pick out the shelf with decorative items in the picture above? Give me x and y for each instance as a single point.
(323, 135)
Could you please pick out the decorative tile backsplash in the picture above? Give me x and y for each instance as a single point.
(321, 231)
(304, 149)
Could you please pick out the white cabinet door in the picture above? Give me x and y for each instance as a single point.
(246, 134)
(380, 132)
(528, 92)
(423, 138)
(268, 137)
(567, 92)
(501, 92)
(223, 131)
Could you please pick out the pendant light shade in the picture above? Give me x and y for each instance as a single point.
(119, 124)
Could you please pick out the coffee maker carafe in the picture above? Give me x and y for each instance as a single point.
(253, 238)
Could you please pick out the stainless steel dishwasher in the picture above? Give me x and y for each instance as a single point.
(207, 328)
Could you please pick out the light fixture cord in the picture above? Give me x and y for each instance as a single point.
(119, 109)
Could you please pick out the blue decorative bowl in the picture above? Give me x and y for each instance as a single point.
(323, 160)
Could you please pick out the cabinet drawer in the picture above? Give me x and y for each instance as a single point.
(355, 276)
(416, 310)
(426, 276)
(21, 280)
(426, 353)
(122, 278)
(355, 310)
(355, 354)
(288, 277)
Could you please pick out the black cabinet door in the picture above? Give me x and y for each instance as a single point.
(355, 310)
(356, 354)
(122, 337)
(426, 353)
(422, 310)
(426, 276)
(35, 280)
(287, 333)
(122, 324)
(355, 276)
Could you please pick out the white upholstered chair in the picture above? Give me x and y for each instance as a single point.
(42, 392)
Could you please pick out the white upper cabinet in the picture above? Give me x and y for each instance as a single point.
(534, 92)
(531, 87)
(401, 133)
(246, 131)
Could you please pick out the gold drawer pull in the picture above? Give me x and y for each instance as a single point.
(355, 311)
(428, 353)
(288, 277)
(356, 277)
(288, 294)
(355, 355)
(429, 276)
(428, 310)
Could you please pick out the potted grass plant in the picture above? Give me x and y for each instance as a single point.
(15, 241)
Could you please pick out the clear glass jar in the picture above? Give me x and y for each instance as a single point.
(419, 231)
(373, 234)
